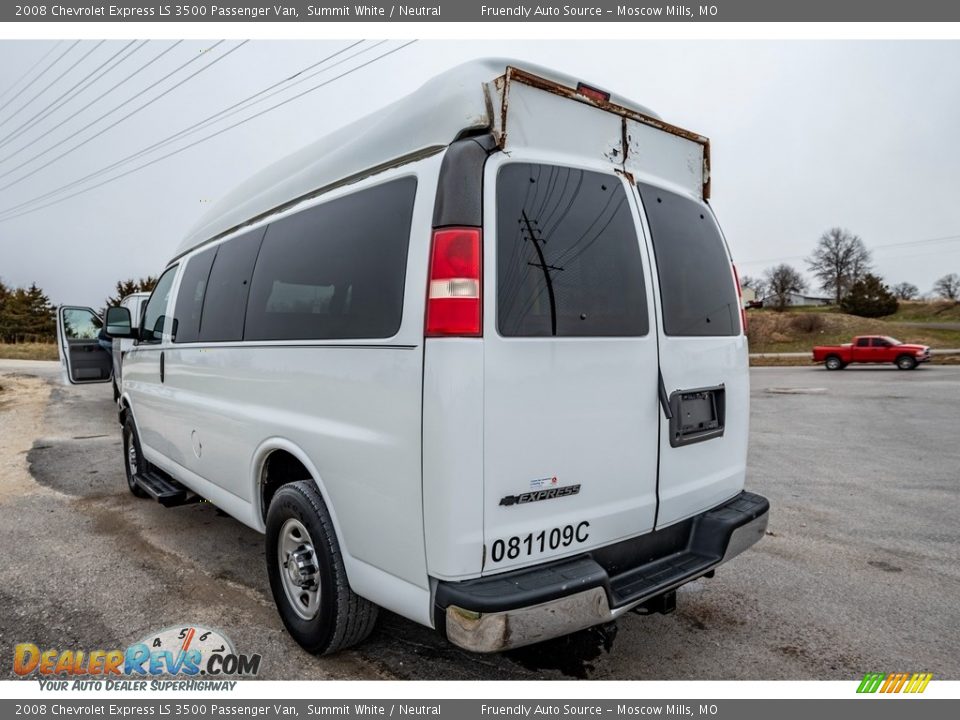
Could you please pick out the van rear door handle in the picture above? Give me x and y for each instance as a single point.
(664, 398)
(161, 366)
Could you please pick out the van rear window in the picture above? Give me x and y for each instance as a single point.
(696, 283)
(568, 257)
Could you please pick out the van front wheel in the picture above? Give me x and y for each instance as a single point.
(307, 575)
(133, 461)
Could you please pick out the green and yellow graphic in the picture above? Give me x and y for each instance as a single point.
(894, 682)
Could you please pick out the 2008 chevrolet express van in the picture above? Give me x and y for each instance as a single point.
(477, 359)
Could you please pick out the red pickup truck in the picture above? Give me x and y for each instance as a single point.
(871, 349)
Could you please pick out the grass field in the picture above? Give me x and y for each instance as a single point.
(940, 311)
(28, 351)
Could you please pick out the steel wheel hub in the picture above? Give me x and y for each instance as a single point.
(132, 457)
(299, 569)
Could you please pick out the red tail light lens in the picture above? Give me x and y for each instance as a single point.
(743, 310)
(453, 293)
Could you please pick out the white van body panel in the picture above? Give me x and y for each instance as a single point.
(671, 159)
(453, 431)
(352, 406)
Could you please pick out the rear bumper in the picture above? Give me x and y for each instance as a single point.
(525, 606)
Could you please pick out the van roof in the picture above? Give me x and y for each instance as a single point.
(422, 123)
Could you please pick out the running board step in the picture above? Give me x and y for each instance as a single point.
(164, 489)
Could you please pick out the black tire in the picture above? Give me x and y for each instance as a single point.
(133, 463)
(833, 362)
(906, 362)
(342, 618)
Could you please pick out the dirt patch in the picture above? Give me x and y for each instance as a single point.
(21, 416)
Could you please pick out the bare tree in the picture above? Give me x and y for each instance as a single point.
(839, 260)
(948, 287)
(781, 280)
(905, 291)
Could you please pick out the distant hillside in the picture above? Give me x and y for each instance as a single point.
(798, 331)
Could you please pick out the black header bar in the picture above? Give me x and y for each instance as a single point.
(482, 11)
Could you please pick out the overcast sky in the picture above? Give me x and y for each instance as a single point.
(805, 135)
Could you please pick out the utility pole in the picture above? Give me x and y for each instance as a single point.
(546, 270)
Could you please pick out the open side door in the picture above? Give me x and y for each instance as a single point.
(81, 355)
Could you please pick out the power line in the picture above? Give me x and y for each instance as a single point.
(32, 67)
(49, 85)
(41, 115)
(42, 72)
(129, 114)
(906, 243)
(220, 115)
(207, 137)
(101, 95)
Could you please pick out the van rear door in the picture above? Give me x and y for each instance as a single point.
(703, 355)
(570, 359)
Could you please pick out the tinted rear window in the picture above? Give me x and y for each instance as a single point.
(227, 287)
(569, 233)
(696, 283)
(190, 296)
(335, 271)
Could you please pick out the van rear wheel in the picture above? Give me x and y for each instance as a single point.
(307, 576)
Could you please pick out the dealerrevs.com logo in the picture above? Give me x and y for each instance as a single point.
(190, 650)
(894, 683)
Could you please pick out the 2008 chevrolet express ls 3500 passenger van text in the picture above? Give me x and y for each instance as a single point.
(477, 358)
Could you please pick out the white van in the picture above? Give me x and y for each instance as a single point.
(477, 358)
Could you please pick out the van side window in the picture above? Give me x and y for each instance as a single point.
(154, 314)
(190, 296)
(226, 295)
(696, 282)
(336, 270)
(568, 256)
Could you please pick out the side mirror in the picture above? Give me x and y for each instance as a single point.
(118, 323)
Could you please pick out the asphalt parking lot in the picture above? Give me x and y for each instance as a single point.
(859, 570)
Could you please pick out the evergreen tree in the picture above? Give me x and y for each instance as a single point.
(128, 287)
(869, 297)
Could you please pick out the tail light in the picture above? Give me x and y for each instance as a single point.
(453, 293)
(743, 310)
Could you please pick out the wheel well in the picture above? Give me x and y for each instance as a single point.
(279, 468)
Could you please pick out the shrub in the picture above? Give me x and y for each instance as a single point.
(807, 322)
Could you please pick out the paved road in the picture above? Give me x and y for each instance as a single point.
(858, 572)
